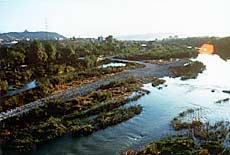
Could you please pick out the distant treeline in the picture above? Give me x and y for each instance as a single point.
(222, 45)
(30, 60)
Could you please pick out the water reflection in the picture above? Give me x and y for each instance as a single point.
(216, 75)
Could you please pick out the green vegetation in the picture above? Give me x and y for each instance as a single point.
(221, 44)
(196, 138)
(57, 64)
(189, 70)
(78, 116)
(175, 146)
(3, 87)
(54, 65)
(117, 116)
(202, 131)
(160, 50)
(222, 47)
(33, 60)
(106, 119)
(209, 136)
(46, 86)
(166, 55)
(179, 145)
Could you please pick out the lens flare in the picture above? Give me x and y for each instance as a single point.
(206, 49)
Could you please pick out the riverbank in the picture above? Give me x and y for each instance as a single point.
(150, 70)
(82, 110)
(81, 115)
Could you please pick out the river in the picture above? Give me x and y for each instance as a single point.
(14, 91)
(159, 107)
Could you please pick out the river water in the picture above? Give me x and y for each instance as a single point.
(113, 64)
(13, 91)
(159, 107)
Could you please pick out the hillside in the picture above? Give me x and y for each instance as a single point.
(41, 35)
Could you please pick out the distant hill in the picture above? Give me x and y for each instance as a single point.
(146, 37)
(41, 35)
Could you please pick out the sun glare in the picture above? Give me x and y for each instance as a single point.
(206, 49)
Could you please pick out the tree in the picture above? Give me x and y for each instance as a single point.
(3, 52)
(90, 61)
(51, 52)
(15, 58)
(109, 39)
(67, 52)
(73, 38)
(110, 45)
(36, 53)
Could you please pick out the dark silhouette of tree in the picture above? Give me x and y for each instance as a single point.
(222, 47)
(3, 52)
(109, 39)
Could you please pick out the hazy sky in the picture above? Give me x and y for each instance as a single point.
(91, 18)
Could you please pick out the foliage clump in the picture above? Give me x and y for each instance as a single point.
(189, 70)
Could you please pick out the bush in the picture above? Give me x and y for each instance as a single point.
(189, 70)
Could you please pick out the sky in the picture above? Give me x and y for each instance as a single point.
(92, 18)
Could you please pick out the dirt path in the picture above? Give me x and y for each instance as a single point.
(149, 70)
